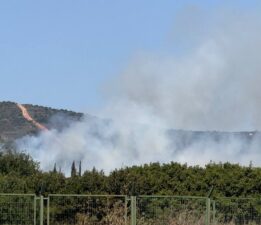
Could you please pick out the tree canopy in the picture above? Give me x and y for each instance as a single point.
(19, 173)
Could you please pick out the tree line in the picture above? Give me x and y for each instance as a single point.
(19, 173)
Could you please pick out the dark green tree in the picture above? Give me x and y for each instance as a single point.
(73, 170)
(54, 168)
(80, 168)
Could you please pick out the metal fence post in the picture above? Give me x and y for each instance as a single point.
(35, 202)
(214, 213)
(208, 205)
(133, 210)
(48, 210)
(41, 210)
(126, 209)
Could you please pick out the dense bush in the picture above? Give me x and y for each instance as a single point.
(20, 173)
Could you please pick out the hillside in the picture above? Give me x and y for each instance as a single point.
(13, 125)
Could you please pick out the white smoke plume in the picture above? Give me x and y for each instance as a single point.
(215, 85)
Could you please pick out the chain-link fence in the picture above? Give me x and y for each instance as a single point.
(87, 209)
(168, 210)
(22, 209)
(17, 209)
(237, 211)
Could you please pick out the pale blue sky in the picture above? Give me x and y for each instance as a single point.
(58, 53)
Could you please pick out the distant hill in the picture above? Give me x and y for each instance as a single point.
(13, 125)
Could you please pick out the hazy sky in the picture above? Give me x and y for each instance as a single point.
(59, 53)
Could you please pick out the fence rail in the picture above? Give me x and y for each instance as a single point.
(59, 209)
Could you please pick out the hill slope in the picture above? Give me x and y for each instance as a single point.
(14, 125)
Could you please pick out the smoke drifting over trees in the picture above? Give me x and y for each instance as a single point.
(212, 86)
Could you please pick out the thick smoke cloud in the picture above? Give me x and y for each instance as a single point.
(213, 86)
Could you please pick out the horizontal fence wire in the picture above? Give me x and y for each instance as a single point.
(24, 209)
(17, 209)
(87, 210)
(171, 210)
(237, 211)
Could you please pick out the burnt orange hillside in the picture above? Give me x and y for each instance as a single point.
(18, 120)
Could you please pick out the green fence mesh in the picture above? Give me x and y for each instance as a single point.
(17, 209)
(171, 210)
(237, 211)
(87, 210)
(22, 209)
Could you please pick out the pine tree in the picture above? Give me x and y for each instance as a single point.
(80, 168)
(73, 170)
(54, 168)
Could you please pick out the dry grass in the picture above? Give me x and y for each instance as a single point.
(181, 219)
(115, 216)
